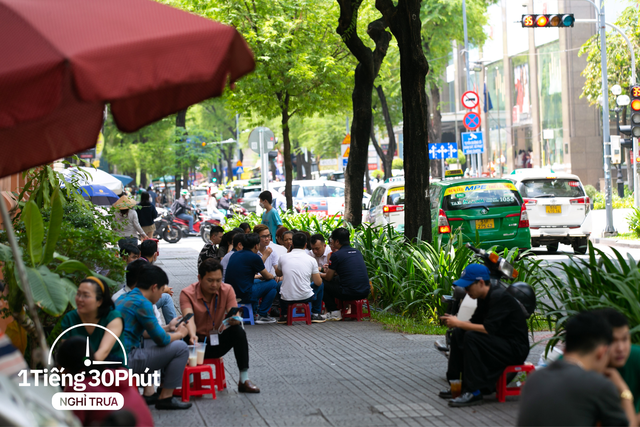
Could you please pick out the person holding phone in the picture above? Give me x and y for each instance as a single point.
(216, 318)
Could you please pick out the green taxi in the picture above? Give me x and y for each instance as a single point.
(488, 210)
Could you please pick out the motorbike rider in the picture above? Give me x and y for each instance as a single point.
(495, 337)
(181, 208)
(225, 203)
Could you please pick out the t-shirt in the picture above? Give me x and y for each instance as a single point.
(125, 290)
(272, 220)
(630, 373)
(564, 394)
(349, 264)
(95, 338)
(323, 259)
(225, 261)
(502, 316)
(297, 270)
(137, 313)
(241, 269)
(207, 314)
(272, 260)
(281, 250)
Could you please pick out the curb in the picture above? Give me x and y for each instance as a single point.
(616, 243)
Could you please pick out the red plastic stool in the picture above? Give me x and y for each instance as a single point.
(357, 311)
(198, 389)
(299, 307)
(221, 379)
(502, 391)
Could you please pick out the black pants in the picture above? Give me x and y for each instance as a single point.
(334, 289)
(232, 337)
(481, 358)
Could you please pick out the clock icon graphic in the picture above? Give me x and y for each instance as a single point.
(87, 357)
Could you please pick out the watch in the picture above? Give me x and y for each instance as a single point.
(627, 395)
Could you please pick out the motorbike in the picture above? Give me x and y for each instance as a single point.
(235, 209)
(202, 224)
(166, 229)
(501, 272)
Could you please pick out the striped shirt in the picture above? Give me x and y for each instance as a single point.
(137, 312)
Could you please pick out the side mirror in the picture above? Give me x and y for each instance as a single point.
(365, 206)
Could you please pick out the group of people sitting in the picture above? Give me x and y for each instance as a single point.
(155, 338)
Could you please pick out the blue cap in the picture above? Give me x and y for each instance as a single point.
(471, 274)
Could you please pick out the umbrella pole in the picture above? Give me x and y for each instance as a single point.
(39, 354)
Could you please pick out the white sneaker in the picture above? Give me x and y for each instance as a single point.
(335, 315)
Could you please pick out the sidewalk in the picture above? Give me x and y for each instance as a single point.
(330, 374)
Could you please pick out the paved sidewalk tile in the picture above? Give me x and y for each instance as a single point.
(330, 374)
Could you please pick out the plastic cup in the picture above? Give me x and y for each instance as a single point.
(200, 348)
(456, 388)
(193, 357)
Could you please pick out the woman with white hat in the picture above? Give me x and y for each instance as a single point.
(128, 226)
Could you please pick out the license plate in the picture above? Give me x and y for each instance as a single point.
(484, 224)
(554, 209)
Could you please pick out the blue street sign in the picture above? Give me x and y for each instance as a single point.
(472, 143)
(471, 120)
(238, 170)
(344, 162)
(444, 150)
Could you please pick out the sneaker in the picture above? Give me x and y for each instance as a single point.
(282, 319)
(265, 319)
(318, 318)
(335, 315)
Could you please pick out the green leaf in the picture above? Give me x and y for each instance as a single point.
(55, 224)
(72, 266)
(5, 253)
(49, 290)
(71, 290)
(35, 232)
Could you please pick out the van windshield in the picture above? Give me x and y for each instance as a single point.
(395, 196)
(550, 187)
(497, 194)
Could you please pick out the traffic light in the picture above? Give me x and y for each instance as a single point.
(548, 21)
(635, 111)
(204, 144)
(215, 169)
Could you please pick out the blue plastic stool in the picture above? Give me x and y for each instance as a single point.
(247, 313)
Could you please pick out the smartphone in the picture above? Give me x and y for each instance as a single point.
(185, 319)
(232, 312)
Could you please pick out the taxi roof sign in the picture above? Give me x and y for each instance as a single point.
(453, 173)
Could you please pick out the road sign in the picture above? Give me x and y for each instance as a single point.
(470, 100)
(471, 120)
(444, 150)
(346, 140)
(472, 143)
(346, 152)
(344, 163)
(254, 139)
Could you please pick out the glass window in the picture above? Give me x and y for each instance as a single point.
(481, 195)
(333, 191)
(395, 196)
(376, 197)
(314, 191)
(544, 187)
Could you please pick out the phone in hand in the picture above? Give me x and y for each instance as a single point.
(185, 319)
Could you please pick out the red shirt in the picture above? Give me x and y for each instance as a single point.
(219, 305)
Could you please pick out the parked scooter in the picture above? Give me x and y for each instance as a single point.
(500, 270)
(202, 224)
(166, 229)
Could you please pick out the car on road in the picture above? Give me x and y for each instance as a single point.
(247, 197)
(387, 205)
(200, 197)
(558, 209)
(319, 196)
(487, 211)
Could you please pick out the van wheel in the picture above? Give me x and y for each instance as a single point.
(579, 247)
(552, 248)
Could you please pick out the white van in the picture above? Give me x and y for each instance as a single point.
(387, 204)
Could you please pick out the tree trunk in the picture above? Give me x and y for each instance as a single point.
(391, 149)
(181, 122)
(404, 22)
(366, 71)
(435, 130)
(379, 151)
(286, 142)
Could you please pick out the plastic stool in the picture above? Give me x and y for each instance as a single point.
(302, 306)
(296, 314)
(502, 391)
(247, 314)
(198, 389)
(357, 311)
(221, 380)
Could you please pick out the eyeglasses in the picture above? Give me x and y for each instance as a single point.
(268, 236)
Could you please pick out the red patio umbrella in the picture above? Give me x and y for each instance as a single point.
(62, 60)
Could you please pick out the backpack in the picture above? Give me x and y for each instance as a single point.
(176, 208)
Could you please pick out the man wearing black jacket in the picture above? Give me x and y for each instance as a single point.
(495, 337)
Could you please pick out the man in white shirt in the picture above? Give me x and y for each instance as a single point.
(319, 251)
(269, 256)
(298, 270)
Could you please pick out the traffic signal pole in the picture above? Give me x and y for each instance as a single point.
(474, 160)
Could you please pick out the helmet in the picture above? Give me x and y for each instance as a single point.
(184, 192)
(524, 294)
(228, 192)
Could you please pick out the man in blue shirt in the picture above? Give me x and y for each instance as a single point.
(271, 217)
(251, 280)
(347, 278)
(159, 350)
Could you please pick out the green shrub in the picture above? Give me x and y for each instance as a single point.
(397, 164)
(591, 192)
(377, 174)
(633, 219)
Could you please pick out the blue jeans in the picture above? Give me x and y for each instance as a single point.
(315, 300)
(165, 305)
(267, 290)
(189, 218)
